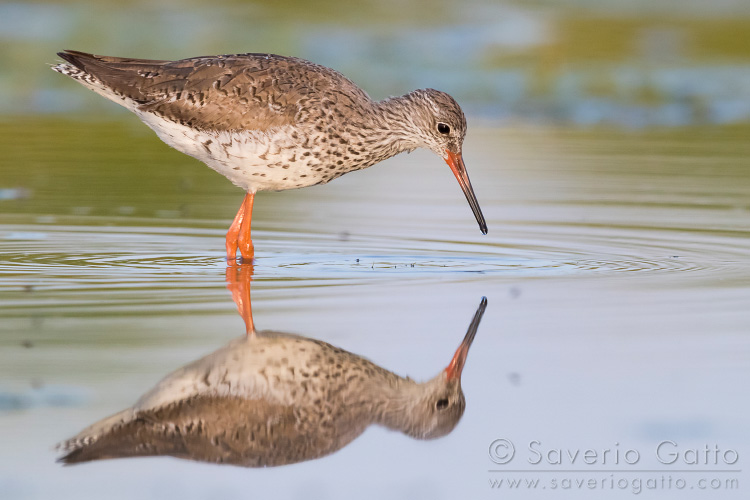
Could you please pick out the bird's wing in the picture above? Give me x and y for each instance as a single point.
(251, 433)
(243, 91)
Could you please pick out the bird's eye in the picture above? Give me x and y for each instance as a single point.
(441, 404)
(443, 128)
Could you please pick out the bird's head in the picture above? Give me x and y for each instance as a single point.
(440, 126)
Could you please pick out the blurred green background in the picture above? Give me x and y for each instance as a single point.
(625, 63)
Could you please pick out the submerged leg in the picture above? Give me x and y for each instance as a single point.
(244, 242)
(234, 235)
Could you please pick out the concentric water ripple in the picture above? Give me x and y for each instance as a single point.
(87, 258)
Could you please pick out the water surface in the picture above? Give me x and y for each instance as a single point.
(615, 266)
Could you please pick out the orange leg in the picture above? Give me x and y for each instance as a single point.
(239, 232)
(238, 282)
(244, 242)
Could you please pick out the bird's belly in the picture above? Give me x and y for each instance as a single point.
(253, 160)
(254, 368)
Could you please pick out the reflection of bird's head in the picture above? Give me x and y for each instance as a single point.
(437, 412)
(438, 404)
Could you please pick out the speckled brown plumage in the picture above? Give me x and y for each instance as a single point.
(274, 399)
(269, 122)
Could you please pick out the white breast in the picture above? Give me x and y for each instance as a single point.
(253, 160)
(250, 368)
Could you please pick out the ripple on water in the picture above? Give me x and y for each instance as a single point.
(538, 248)
(137, 265)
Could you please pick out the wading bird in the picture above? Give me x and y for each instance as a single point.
(269, 122)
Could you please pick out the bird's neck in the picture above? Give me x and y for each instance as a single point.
(394, 403)
(394, 124)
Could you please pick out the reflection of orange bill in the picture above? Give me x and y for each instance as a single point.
(456, 365)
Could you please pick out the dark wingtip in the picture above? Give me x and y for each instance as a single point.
(73, 457)
(75, 57)
(67, 56)
(483, 228)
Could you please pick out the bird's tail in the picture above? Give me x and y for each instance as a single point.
(83, 446)
(112, 77)
(78, 65)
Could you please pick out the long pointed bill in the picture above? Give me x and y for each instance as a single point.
(456, 163)
(456, 365)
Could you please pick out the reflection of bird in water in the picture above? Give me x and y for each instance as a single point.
(273, 398)
(270, 122)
